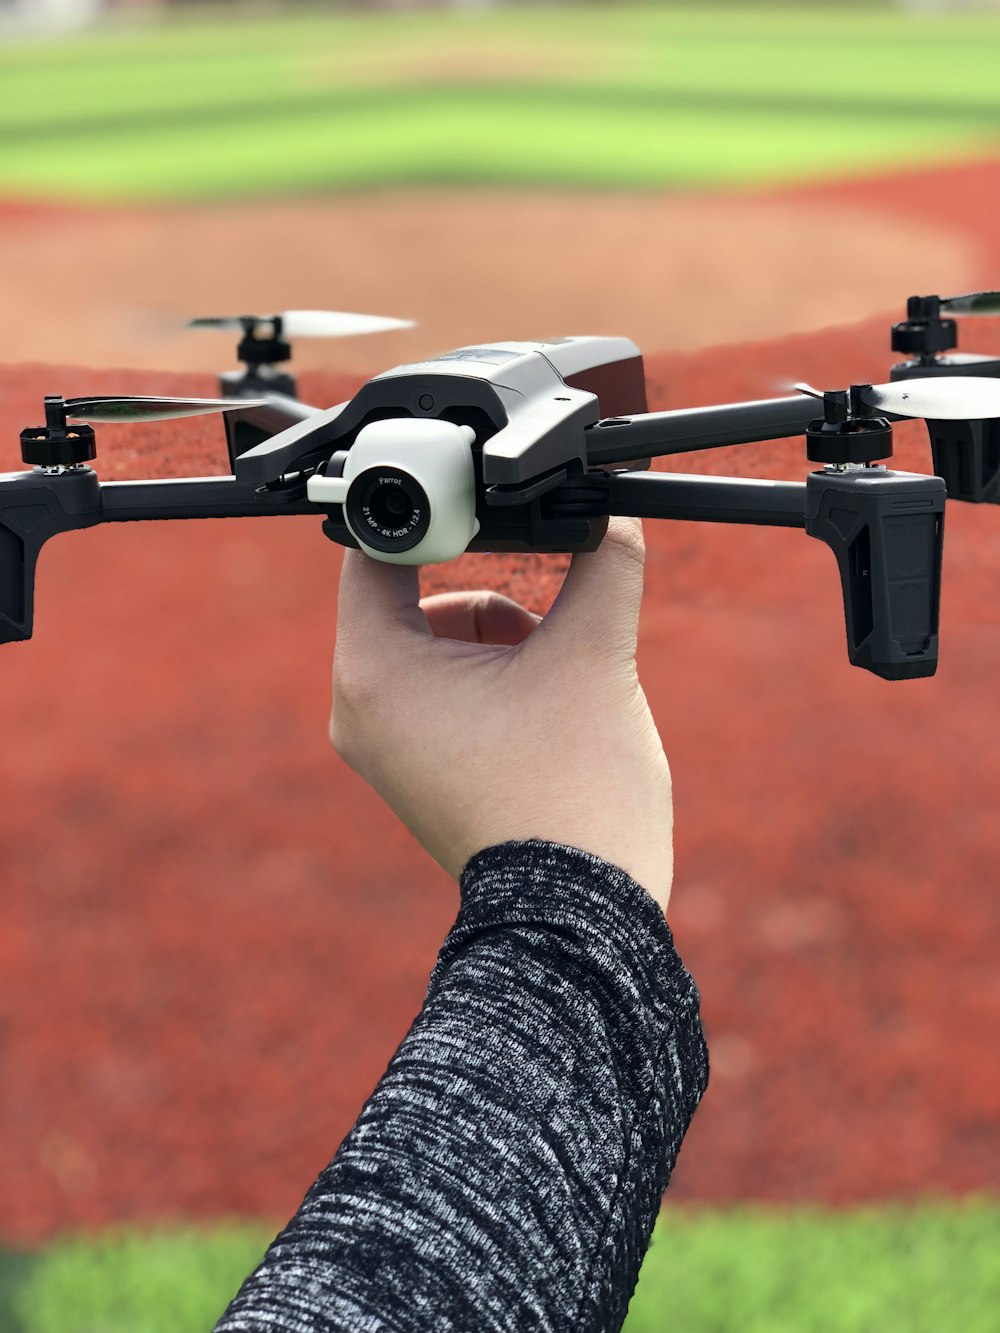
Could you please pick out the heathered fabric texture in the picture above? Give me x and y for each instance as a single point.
(506, 1172)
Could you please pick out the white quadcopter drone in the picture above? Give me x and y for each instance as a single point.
(531, 446)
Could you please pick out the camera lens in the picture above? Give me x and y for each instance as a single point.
(388, 509)
(391, 506)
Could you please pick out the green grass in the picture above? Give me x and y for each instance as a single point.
(617, 95)
(925, 1269)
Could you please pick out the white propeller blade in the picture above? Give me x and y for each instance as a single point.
(939, 397)
(137, 408)
(975, 303)
(308, 323)
(336, 324)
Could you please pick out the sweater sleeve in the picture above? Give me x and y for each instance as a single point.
(507, 1170)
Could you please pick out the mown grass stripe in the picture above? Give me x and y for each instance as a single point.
(909, 1269)
(462, 97)
(632, 96)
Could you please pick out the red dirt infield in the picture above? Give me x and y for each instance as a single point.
(213, 935)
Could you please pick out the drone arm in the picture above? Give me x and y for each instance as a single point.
(34, 506)
(276, 413)
(651, 434)
(247, 429)
(291, 448)
(884, 528)
(779, 504)
(198, 497)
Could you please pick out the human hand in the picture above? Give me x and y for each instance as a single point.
(478, 722)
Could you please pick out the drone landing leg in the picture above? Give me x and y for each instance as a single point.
(33, 507)
(886, 530)
(967, 456)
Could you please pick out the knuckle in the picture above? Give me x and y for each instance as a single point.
(626, 536)
(488, 602)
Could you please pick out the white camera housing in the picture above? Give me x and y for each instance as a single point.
(408, 490)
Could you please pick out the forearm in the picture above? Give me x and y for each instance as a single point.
(507, 1170)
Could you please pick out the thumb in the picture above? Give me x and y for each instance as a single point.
(378, 600)
(601, 594)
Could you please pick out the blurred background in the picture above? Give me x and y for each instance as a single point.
(212, 934)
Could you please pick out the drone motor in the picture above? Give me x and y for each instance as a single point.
(966, 453)
(928, 337)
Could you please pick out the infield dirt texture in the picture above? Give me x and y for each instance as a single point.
(214, 935)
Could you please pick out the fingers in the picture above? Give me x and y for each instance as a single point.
(601, 594)
(378, 600)
(598, 602)
(478, 617)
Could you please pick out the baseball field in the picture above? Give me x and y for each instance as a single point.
(212, 934)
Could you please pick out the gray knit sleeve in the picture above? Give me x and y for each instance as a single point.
(507, 1170)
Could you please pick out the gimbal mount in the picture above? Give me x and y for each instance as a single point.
(527, 447)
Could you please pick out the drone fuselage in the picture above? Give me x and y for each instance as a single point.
(527, 406)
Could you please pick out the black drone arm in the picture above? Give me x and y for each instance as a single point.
(199, 497)
(677, 495)
(35, 506)
(885, 530)
(255, 425)
(298, 444)
(652, 434)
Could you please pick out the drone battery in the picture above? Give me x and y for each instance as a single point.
(620, 386)
(611, 368)
(886, 531)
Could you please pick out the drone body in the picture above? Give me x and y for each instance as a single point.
(476, 437)
(523, 447)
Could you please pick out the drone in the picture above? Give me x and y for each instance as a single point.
(533, 446)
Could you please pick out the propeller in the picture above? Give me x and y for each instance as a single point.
(56, 446)
(939, 398)
(974, 303)
(304, 324)
(105, 408)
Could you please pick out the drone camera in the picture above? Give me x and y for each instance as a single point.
(388, 509)
(408, 489)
